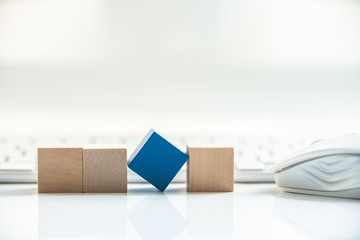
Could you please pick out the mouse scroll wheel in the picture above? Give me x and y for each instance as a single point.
(316, 141)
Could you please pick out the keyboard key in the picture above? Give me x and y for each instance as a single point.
(17, 166)
(79, 140)
(108, 140)
(267, 158)
(47, 140)
(249, 166)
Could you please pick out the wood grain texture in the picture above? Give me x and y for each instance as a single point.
(104, 170)
(210, 169)
(60, 169)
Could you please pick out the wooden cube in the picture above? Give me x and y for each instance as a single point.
(210, 169)
(60, 169)
(104, 169)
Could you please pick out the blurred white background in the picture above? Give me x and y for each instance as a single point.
(184, 65)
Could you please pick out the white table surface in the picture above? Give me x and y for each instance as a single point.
(252, 211)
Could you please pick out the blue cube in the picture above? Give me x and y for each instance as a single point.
(156, 160)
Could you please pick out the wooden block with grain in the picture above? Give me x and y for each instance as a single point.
(60, 169)
(104, 169)
(210, 169)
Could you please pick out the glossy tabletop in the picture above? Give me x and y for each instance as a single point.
(252, 211)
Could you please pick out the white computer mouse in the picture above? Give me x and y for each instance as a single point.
(329, 168)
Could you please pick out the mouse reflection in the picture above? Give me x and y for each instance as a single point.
(81, 215)
(319, 217)
(210, 213)
(156, 218)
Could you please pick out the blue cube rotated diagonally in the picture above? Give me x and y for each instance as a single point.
(156, 160)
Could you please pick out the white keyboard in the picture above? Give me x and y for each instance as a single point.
(254, 156)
